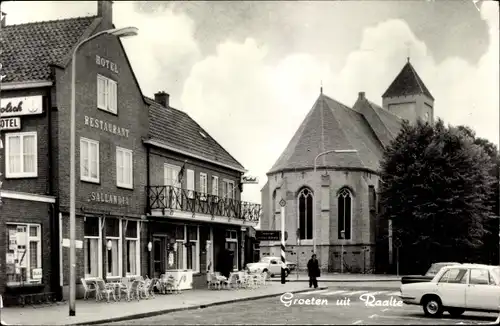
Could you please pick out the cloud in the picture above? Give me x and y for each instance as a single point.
(254, 107)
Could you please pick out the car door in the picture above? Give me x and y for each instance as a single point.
(451, 287)
(482, 290)
(274, 267)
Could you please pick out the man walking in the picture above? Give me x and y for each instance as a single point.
(313, 271)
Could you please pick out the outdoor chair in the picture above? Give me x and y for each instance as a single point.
(172, 285)
(88, 287)
(213, 282)
(144, 289)
(131, 291)
(232, 282)
(103, 289)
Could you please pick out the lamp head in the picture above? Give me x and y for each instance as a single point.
(150, 246)
(124, 32)
(109, 245)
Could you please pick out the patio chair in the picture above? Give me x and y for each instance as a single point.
(161, 286)
(132, 290)
(213, 282)
(103, 289)
(172, 285)
(232, 282)
(144, 289)
(88, 287)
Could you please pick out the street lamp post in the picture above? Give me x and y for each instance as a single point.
(120, 32)
(315, 165)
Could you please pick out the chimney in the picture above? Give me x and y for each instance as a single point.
(162, 98)
(361, 95)
(3, 16)
(105, 10)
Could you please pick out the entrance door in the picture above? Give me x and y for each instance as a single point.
(158, 256)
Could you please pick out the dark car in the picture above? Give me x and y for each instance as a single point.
(433, 270)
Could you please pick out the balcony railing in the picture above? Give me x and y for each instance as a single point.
(169, 198)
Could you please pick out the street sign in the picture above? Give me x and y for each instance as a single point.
(267, 235)
(397, 243)
(282, 202)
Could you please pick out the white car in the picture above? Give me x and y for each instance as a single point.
(271, 265)
(455, 289)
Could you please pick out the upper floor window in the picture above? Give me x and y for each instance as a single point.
(171, 175)
(106, 94)
(228, 189)
(203, 186)
(21, 155)
(124, 171)
(215, 185)
(344, 214)
(190, 184)
(305, 199)
(89, 160)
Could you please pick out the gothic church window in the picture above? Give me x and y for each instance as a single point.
(305, 199)
(344, 214)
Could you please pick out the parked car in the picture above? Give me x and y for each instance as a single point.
(456, 289)
(431, 272)
(271, 265)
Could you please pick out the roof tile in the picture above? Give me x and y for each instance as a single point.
(177, 129)
(29, 49)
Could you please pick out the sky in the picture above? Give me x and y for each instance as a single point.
(249, 72)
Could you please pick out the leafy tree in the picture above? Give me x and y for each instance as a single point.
(489, 252)
(437, 189)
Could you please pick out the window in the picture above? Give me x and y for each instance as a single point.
(479, 276)
(228, 189)
(89, 160)
(192, 249)
(92, 246)
(106, 94)
(203, 186)
(232, 247)
(172, 190)
(344, 214)
(190, 184)
(306, 226)
(113, 247)
(454, 275)
(124, 163)
(21, 152)
(132, 248)
(24, 253)
(180, 237)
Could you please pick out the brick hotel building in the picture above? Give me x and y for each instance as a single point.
(125, 224)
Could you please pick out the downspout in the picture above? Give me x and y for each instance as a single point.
(54, 222)
(148, 210)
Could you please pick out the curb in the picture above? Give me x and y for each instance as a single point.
(341, 281)
(195, 307)
(371, 288)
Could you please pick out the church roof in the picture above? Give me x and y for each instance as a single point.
(408, 82)
(332, 125)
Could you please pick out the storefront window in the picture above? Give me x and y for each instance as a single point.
(132, 248)
(24, 253)
(113, 246)
(192, 248)
(232, 246)
(91, 246)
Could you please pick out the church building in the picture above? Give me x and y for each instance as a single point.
(329, 177)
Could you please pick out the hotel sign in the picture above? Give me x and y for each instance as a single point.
(16, 106)
(100, 61)
(10, 123)
(99, 197)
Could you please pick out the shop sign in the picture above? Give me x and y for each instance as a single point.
(99, 197)
(16, 106)
(36, 274)
(10, 123)
(106, 126)
(100, 61)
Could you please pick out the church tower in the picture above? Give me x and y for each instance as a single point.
(408, 98)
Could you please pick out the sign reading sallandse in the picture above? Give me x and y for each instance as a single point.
(16, 106)
(101, 197)
(106, 126)
(10, 123)
(106, 63)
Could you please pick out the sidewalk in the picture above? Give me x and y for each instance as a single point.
(336, 277)
(92, 312)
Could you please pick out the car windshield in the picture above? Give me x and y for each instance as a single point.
(435, 268)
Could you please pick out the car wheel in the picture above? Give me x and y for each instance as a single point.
(432, 306)
(456, 312)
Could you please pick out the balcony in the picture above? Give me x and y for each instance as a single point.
(167, 200)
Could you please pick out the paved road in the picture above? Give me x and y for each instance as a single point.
(349, 310)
